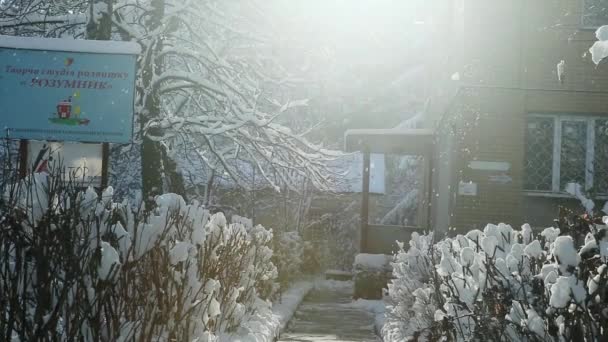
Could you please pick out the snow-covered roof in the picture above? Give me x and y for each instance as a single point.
(70, 45)
(394, 140)
(389, 132)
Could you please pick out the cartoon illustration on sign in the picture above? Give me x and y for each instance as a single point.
(68, 113)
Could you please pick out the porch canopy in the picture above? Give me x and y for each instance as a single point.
(381, 238)
(397, 141)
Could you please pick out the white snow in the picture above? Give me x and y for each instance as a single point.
(374, 261)
(526, 233)
(267, 327)
(338, 273)
(390, 131)
(489, 244)
(70, 45)
(334, 285)
(534, 249)
(566, 289)
(599, 49)
(467, 256)
(567, 256)
(179, 252)
(535, 323)
(576, 190)
(550, 235)
(561, 67)
(109, 261)
(376, 307)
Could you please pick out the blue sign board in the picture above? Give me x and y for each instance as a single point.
(61, 92)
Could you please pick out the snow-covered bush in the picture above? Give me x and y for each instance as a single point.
(503, 284)
(411, 307)
(77, 266)
(341, 231)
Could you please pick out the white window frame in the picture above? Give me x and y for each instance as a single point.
(558, 119)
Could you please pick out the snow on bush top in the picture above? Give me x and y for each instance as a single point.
(599, 49)
(70, 45)
(174, 272)
(373, 261)
(503, 284)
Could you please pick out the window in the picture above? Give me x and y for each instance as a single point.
(595, 13)
(566, 149)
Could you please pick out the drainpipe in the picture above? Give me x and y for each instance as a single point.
(365, 200)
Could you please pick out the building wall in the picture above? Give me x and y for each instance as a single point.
(508, 69)
(491, 129)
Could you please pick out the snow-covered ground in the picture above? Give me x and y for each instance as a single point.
(329, 314)
(376, 307)
(266, 327)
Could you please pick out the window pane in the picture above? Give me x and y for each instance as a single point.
(539, 154)
(574, 153)
(398, 205)
(595, 13)
(600, 172)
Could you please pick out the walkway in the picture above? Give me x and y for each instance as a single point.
(326, 315)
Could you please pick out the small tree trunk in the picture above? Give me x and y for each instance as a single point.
(99, 26)
(151, 151)
(175, 179)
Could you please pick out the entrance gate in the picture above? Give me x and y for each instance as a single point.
(381, 238)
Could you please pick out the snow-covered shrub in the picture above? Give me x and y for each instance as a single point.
(503, 284)
(341, 231)
(289, 256)
(77, 266)
(411, 306)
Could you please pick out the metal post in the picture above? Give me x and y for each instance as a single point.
(23, 143)
(105, 164)
(365, 201)
(429, 184)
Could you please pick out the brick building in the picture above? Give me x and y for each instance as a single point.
(509, 134)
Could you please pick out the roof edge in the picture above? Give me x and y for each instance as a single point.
(70, 45)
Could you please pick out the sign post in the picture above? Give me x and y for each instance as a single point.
(67, 90)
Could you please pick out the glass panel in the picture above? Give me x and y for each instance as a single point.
(574, 153)
(398, 204)
(595, 13)
(600, 172)
(539, 154)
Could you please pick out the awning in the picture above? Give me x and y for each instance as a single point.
(397, 141)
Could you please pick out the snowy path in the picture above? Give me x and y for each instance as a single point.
(327, 315)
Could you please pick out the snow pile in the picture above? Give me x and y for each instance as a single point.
(502, 284)
(76, 265)
(374, 261)
(370, 275)
(267, 325)
(599, 49)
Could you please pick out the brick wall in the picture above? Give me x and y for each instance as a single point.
(508, 57)
(518, 43)
(496, 135)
